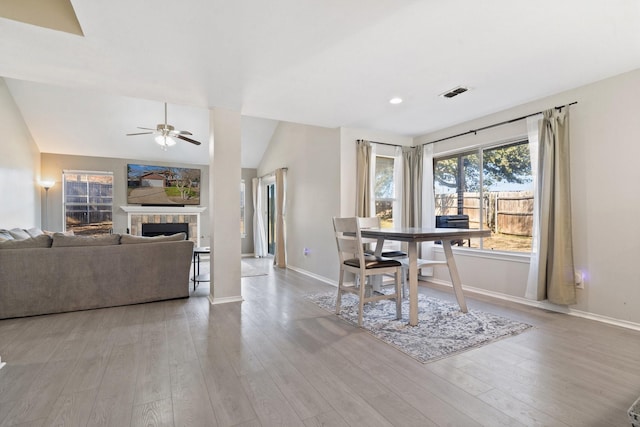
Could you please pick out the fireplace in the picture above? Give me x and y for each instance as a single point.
(140, 216)
(154, 229)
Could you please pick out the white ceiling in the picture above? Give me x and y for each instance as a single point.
(328, 63)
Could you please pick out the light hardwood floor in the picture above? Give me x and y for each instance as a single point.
(278, 360)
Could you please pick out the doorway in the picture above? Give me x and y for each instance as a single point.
(271, 219)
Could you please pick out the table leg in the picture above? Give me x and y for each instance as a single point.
(455, 277)
(194, 271)
(413, 283)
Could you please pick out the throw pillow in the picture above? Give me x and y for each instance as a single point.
(34, 232)
(51, 233)
(127, 239)
(5, 235)
(19, 233)
(42, 241)
(61, 240)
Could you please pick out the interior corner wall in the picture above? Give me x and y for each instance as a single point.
(605, 208)
(247, 241)
(312, 156)
(20, 198)
(54, 164)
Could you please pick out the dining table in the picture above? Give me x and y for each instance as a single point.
(414, 235)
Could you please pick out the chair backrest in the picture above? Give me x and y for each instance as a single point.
(369, 222)
(348, 238)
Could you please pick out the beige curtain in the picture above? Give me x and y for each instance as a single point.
(259, 233)
(551, 273)
(280, 257)
(363, 179)
(412, 186)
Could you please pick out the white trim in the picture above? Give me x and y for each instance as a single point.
(225, 300)
(2, 363)
(165, 210)
(83, 172)
(523, 257)
(315, 276)
(545, 306)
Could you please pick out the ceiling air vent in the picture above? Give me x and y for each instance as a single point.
(454, 92)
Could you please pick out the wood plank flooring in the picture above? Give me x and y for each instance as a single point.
(278, 360)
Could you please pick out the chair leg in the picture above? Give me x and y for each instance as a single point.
(361, 300)
(339, 297)
(399, 288)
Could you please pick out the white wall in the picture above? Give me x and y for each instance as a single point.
(224, 213)
(312, 156)
(20, 198)
(606, 206)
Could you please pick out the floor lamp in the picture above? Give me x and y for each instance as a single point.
(46, 185)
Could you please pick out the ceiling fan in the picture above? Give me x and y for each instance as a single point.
(165, 133)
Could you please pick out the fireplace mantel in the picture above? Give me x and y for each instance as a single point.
(136, 215)
(163, 209)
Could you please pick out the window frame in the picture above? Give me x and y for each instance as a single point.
(479, 150)
(88, 204)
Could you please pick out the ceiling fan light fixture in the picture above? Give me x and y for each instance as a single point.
(165, 141)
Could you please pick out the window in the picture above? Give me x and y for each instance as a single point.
(243, 232)
(385, 191)
(497, 196)
(88, 202)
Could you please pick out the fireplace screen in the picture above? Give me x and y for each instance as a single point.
(166, 229)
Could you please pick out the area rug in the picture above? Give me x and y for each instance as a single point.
(443, 330)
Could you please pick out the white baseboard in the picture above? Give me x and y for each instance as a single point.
(544, 305)
(251, 255)
(1, 363)
(224, 300)
(315, 276)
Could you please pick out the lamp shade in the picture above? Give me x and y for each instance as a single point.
(47, 184)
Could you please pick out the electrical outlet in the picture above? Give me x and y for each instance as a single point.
(579, 279)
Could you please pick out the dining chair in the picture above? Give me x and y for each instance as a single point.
(401, 256)
(353, 259)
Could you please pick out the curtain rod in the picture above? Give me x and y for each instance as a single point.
(272, 173)
(506, 122)
(384, 143)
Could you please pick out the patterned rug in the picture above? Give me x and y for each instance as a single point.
(443, 330)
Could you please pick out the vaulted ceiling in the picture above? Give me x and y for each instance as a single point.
(328, 63)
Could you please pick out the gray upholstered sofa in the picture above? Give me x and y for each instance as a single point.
(45, 274)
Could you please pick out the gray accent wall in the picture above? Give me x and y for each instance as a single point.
(54, 164)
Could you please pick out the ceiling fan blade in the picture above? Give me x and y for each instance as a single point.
(183, 132)
(184, 138)
(145, 128)
(139, 133)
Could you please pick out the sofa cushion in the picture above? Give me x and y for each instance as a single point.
(19, 233)
(127, 239)
(42, 241)
(61, 240)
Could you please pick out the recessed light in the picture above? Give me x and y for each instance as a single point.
(395, 100)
